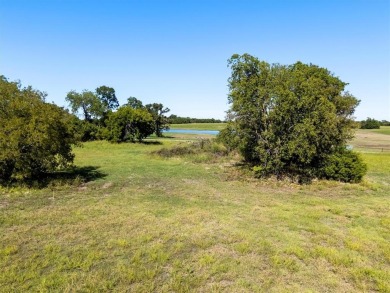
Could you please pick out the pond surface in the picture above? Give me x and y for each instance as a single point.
(192, 131)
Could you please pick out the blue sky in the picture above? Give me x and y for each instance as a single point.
(175, 52)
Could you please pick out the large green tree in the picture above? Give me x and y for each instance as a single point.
(88, 102)
(35, 137)
(129, 124)
(134, 103)
(289, 119)
(160, 120)
(108, 98)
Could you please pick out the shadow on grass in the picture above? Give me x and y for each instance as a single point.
(74, 176)
(168, 136)
(151, 142)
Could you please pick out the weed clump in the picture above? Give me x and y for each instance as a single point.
(176, 151)
(200, 150)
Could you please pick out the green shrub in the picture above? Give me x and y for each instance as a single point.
(128, 124)
(346, 166)
(35, 137)
(370, 123)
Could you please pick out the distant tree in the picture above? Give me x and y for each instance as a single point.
(160, 120)
(108, 98)
(174, 119)
(129, 124)
(88, 102)
(289, 120)
(134, 103)
(370, 123)
(35, 137)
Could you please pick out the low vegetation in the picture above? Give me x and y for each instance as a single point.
(149, 223)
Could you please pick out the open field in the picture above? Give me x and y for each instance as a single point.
(149, 224)
(372, 140)
(383, 130)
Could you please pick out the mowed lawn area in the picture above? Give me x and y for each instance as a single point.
(195, 224)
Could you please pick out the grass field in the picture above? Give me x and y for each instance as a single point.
(383, 130)
(150, 224)
(372, 140)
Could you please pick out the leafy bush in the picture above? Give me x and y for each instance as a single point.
(346, 166)
(370, 123)
(176, 151)
(128, 124)
(35, 137)
(287, 120)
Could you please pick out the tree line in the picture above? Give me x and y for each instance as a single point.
(36, 137)
(285, 120)
(103, 118)
(174, 119)
(371, 123)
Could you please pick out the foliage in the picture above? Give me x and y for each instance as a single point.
(134, 103)
(344, 166)
(128, 124)
(89, 131)
(86, 101)
(95, 107)
(157, 111)
(287, 120)
(370, 123)
(35, 137)
(107, 97)
(174, 119)
(228, 137)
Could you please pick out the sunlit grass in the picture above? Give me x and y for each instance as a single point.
(154, 224)
(383, 130)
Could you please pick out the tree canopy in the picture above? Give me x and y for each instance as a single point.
(35, 137)
(86, 101)
(107, 97)
(288, 120)
(93, 105)
(134, 103)
(129, 124)
(158, 112)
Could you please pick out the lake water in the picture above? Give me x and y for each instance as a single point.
(192, 131)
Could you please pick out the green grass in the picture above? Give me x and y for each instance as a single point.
(151, 224)
(383, 130)
(199, 126)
